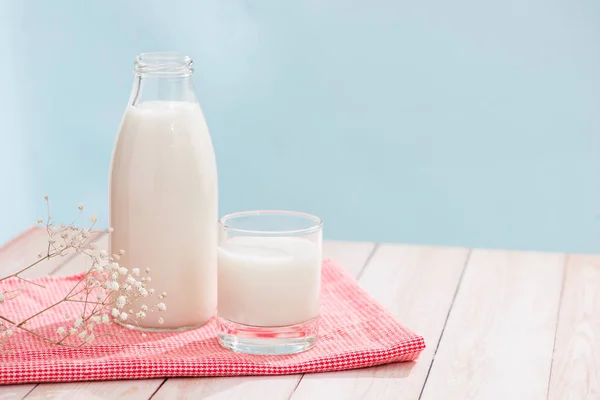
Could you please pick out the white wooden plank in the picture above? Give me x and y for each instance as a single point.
(576, 366)
(129, 389)
(417, 285)
(352, 256)
(499, 336)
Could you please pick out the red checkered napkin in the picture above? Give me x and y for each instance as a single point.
(355, 332)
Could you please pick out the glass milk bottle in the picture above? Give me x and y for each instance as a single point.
(163, 192)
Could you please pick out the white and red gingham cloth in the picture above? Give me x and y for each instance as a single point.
(354, 332)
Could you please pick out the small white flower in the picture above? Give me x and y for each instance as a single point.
(130, 280)
(148, 279)
(78, 322)
(103, 254)
(141, 315)
(80, 207)
(114, 276)
(93, 219)
(40, 220)
(137, 284)
(67, 316)
(144, 335)
(99, 269)
(61, 331)
(151, 291)
(72, 331)
(114, 285)
(95, 319)
(144, 308)
(143, 292)
(110, 230)
(100, 296)
(91, 327)
(121, 252)
(82, 334)
(147, 270)
(2, 298)
(161, 320)
(123, 316)
(122, 271)
(116, 257)
(105, 319)
(121, 300)
(164, 294)
(112, 266)
(135, 271)
(115, 312)
(8, 332)
(161, 306)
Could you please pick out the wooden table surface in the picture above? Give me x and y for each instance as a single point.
(498, 325)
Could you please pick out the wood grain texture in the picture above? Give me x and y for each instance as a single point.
(576, 365)
(353, 256)
(499, 336)
(417, 285)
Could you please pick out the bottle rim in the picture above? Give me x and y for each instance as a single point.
(167, 64)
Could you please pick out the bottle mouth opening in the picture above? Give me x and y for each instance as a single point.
(167, 64)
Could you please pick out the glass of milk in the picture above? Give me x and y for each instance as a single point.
(269, 279)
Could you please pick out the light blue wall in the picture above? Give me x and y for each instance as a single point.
(446, 122)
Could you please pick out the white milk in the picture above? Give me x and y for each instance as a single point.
(163, 207)
(269, 281)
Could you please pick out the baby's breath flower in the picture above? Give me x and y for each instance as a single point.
(143, 292)
(121, 252)
(114, 276)
(137, 284)
(93, 219)
(161, 320)
(103, 254)
(151, 291)
(141, 315)
(116, 257)
(80, 207)
(122, 271)
(135, 271)
(78, 322)
(144, 335)
(8, 332)
(144, 308)
(147, 270)
(113, 285)
(72, 331)
(40, 220)
(161, 307)
(130, 280)
(95, 319)
(112, 266)
(67, 316)
(115, 312)
(164, 294)
(61, 331)
(2, 298)
(105, 318)
(99, 296)
(82, 334)
(123, 316)
(110, 230)
(121, 300)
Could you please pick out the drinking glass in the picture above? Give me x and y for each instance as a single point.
(269, 279)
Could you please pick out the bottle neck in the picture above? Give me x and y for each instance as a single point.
(162, 77)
